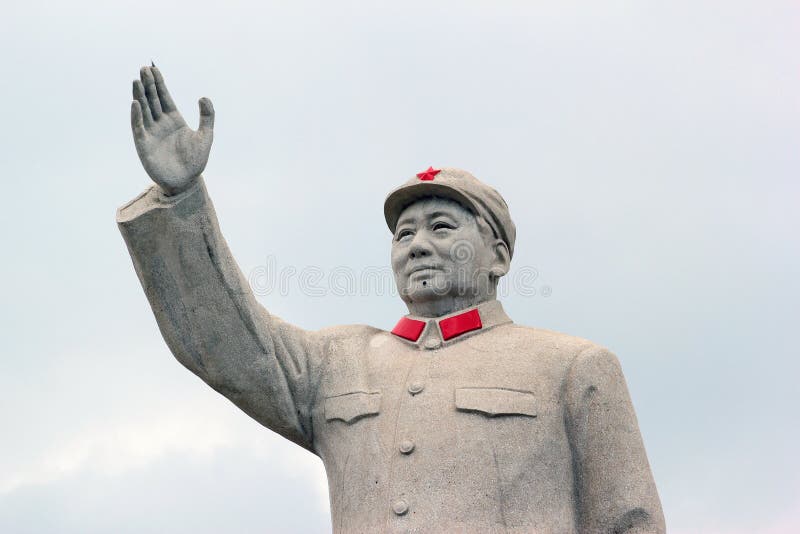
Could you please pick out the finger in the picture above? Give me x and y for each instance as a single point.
(139, 96)
(137, 122)
(167, 104)
(150, 91)
(206, 117)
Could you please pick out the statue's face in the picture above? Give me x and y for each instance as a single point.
(439, 252)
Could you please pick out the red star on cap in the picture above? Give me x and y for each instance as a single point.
(429, 174)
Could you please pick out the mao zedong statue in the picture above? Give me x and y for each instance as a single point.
(458, 420)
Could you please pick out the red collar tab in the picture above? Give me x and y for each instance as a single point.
(409, 329)
(429, 174)
(460, 324)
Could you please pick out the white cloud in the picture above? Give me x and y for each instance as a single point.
(788, 523)
(199, 429)
(116, 449)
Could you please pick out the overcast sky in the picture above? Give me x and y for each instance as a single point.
(649, 153)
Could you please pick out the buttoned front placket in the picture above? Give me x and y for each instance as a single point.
(409, 453)
(426, 403)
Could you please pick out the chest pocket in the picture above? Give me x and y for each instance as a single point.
(496, 401)
(351, 407)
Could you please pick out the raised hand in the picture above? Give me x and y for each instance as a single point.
(173, 154)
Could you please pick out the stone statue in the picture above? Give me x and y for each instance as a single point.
(458, 420)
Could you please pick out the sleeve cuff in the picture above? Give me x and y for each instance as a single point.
(153, 198)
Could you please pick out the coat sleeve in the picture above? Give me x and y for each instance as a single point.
(615, 490)
(209, 317)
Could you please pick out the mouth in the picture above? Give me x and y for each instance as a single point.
(424, 269)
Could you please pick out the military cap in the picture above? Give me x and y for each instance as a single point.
(458, 185)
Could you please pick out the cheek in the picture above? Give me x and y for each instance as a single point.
(459, 250)
(397, 258)
(444, 247)
(441, 247)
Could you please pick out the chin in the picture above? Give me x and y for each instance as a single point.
(419, 292)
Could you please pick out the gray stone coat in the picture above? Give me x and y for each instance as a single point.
(502, 429)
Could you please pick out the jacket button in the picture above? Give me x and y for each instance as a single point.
(400, 507)
(415, 387)
(433, 344)
(406, 446)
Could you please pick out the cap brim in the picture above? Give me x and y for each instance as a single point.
(404, 196)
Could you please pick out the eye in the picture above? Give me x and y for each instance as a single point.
(441, 225)
(402, 234)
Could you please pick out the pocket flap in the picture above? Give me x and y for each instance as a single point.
(352, 406)
(496, 401)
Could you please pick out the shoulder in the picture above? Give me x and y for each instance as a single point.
(574, 356)
(352, 334)
(544, 342)
(581, 364)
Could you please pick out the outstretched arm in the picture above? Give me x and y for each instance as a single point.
(204, 306)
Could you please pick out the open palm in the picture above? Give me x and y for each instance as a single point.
(173, 154)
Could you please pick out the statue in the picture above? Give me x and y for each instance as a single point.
(458, 420)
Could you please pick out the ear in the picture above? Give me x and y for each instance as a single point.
(502, 259)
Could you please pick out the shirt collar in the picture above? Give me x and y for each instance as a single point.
(433, 332)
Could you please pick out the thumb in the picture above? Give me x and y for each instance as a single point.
(206, 117)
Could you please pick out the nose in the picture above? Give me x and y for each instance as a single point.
(420, 246)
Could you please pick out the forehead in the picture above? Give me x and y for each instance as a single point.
(430, 206)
